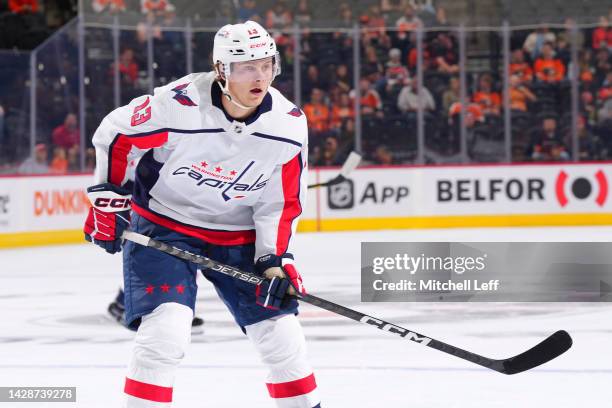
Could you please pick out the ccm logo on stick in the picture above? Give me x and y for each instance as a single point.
(395, 329)
(123, 203)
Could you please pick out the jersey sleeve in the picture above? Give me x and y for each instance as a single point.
(126, 134)
(277, 213)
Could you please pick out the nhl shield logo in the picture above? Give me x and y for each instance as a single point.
(341, 196)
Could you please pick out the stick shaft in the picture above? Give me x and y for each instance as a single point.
(544, 348)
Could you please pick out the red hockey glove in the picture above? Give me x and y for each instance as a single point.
(283, 282)
(108, 217)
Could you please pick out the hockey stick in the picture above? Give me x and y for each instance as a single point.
(349, 165)
(550, 348)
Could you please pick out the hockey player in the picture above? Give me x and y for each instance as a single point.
(222, 173)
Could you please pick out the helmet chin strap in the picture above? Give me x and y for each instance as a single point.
(226, 93)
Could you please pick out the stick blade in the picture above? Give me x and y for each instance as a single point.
(550, 348)
(351, 163)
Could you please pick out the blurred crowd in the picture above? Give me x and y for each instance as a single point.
(539, 84)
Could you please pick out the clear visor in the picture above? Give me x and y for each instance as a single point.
(265, 69)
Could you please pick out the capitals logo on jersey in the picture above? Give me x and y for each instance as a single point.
(181, 95)
(224, 179)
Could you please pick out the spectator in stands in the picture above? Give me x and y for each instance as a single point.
(36, 164)
(248, 11)
(371, 104)
(383, 156)
(391, 9)
(279, 16)
(441, 19)
(546, 143)
(342, 79)
(489, 100)
(90, 159)
(443, 53)
(395, 73)
(547, 68)
(585, 67)
(67, 134)
(59, 163)
(317, 113)
(128, 68)
(519, 67)
(23, 6)
(108, 6)
(587, 106)
(452, 94)
(329, 154)
(342, 111)
(535, 41)
(520, 95)
(563, 50)
(589, 145)
(602, 35)
(372, 67)
(474, 116)
(603, 65)
(312, 80)
(605, 91)
(409, 101)
(346, 16)
(303, 14)
(409, 21)
(73, 159)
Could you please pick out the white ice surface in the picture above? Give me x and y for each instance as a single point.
(55, 332)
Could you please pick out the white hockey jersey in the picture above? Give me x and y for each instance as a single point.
(204, 174)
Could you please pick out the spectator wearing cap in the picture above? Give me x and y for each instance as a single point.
(395, 72)
(67, 134)
(548, 68)
(519, 67)
(36, 164)
(489, 100)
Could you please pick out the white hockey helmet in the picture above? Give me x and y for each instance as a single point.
(243, 42)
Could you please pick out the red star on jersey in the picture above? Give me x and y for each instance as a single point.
(180, 289)
(203, 164)
(218, 169)
(233, 172)
(165, 288)
(150, 289)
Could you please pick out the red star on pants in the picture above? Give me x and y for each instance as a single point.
(218, 169)
(150, 289)
(165, 288)
(180, 288)
(233, 172)
(203, 164)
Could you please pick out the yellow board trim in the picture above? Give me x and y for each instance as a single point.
(456, 221)
(23, 239)
(56, 237)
